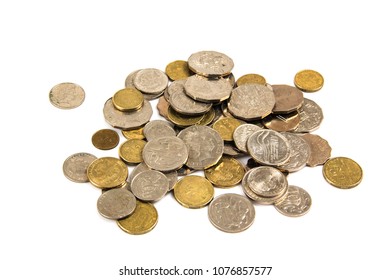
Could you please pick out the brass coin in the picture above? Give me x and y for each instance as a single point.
(182, 120)
(131, 151)
(193, 191)
(251, 79)
(143, 219)
(67, 95)
(105, 139)
(137, 133)
(107, 172)
(207, 118)
(309, 80)
(226, 126)
(178, 70)
(282, 122)
(342, 172)
(226, 173)
(128, 99)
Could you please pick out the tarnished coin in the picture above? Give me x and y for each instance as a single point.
(282, 122)
(269, 147)
(150, 81)
(207, 90)
(107, 172)
(267, 181)
(129, 82)
(297, 202)
(185, 105)
(178, 70)
(251, 79)
(242, 133)
(127, 120)
(75, 167)
(310, 116)
(135, 133)
(308, 80)
(231, 213)
(210, 63)
(116, 203)
(226, 173)
(193, 191)
(251, 102)
(342, 172)
(143, 219)
(131, 151)
(182, 120)
(205, 146)
(319, 149)
(105, 139)
(150, 185)
(165, 154)
(158, 128)
(287, 99)
(226, 126)
(299, 155)
(67, 95)
(128, 99)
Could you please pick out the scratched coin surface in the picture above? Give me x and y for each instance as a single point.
(185, 105)
(231, 213)
(150, 81)
(251, 79)
(226, 126)
(131, 151)
(67, 95)
(128, 99)
(287, 99)
(116, 203)
(267, 181)
(210, 63)
(207, 90)
(193, 191)
(299, 153)
(297, 202)
(242, 133)
(105, 139)
(319, 147)
(311, 116)
(75, 167)
(158, 128)
(309, 80)
(107, 172)
(228, 172)
(150, 185)
(342, 172)
(177, 70)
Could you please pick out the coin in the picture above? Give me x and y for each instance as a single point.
(185, 105)
(178, 70)
(143, 219)
(75, 167)
(282, 122)
(150, 81)
(251, 79)
(131, 151)
(226, 173)
(207, 90)
(172, 179)
(129, 82)
(136, 170)
(320, 149)
(207, 118)
(150, 185)
(299, 153)
(158, 128)
(128, 99)
(242, 133)
(308, 80)
(230, 149)
(297, 202)
(225, 127)
(231, 213)
(135, 133)
(342, 172)
(107, 172)
(105, 139)
(175, 86)
(193, 191)
(116, 203)
(67, 95)
(162, 107)
(267, 181)
(210, 63)
(310, 116)
(182, 120)
(287, 99)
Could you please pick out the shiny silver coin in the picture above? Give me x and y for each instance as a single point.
(267, 181)
(151, 81)
(116, 204)
(158, 128)
(299, 153)
(242, 133)
(75, 167)
(150, 185)
(207, 90)
(210, 63)
(297, 202)
(311, 116)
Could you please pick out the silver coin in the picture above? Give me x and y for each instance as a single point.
(129, 82)
(136, 170)
(151, 81)
(127, 120)
(241, 135)
(150, 185)
(116, 203)
(205, 146)
(297, 202)
(269, 147)
(75, 167)
(225, 111)
(207, 90)
(175, 86)
(267, 181)
(152, 96)
(67, 95)
(299, 153)
(251, 102)
(231, 150)
(311, 116)
(172, 178)
(231, 213)
(165, 153)
(158, 128)
(185, 105)
(210, 63)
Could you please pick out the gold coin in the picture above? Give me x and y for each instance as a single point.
(128, 99)
(342, 172)
(131, 151)
(142, 220)
(105, 139)
(193, 191)
(107, 172)
(178, 70)
(309, 80)
(251, 79)
(225, 127)
(134, 133)
(182, 120)
(226, 173)
(207, 118)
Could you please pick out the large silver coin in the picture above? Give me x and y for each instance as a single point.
(267, 181)
(158, 128)
(67, 95)
(296, 203)
(242, 133)
(205, 146)
(311, 116)
(210, 63)
(165, 153)
(129, 82)
(116, 203)
(150, 185)
(299, 153)
(136, 170)
(231, 213)
(185, 105)
(207, 90)
(150, 81)
(75, 167)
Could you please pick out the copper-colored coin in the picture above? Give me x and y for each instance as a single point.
(137, 133)
(308, 80)
(131, 151)
(320, 149)
(228, 172)
(251, 79)
(107, 172)
(105, 139)
(282, 122)
(193, 191)
(178, 70)
(342, 172)
(226, 126)
(128, 99)
(287, 99)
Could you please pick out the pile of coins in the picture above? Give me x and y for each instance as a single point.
(212, 122)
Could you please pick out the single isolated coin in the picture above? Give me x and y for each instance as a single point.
(75, 167)
(67, 95)
(107, 173)
(178, 70)
(210, 63)
(116, 203)
(309, 80)
(193, 191)
(297, 202)
(105, 139)
(342, 172)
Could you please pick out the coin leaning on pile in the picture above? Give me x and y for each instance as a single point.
(211, 124)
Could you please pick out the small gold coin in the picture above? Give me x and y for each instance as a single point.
(226, 173)
(251, 79)
(178, 70)
(182, 120)
(105, 139)
(134, 133)
(225, 127)
(193, 191)
(128, 99)
(309, 80)
(131, 151)
(342, 172)
(143, 219)
(107, 172)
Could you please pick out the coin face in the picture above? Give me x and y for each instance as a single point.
(308, 80)
(150, 81)
(226, 126)
(267, 181)
(150, 185)
(158, 128)
(193, 191)
(210, 63)
(299, 155)
(311, 116)
(231, 213)
(320, 149)
(128, 99)
(131, 151)
(242, 133)
(251, 79)
(178, 70)
(297, 202)
(75, 167)
(207, 90)
(136, 170)
(185, 105)
(107, 172)
(228, 172)
(105, 139)
(67, 95)
(287, 99)
(116, 203)
(342, 172)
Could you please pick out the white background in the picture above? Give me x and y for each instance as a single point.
(50, 228)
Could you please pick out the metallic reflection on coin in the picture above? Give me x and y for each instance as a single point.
(178, 70)
(241, 135)
(67, 95)
(282, 122)
(150, 185)
(267, 181)
(310, 116)
(75, 167)
(228, 172)
(136, 170)
(251, 79)
(342, 172)
(116, 203)
(210, 63)
(193, 191)
(185, 105)
(107, 173)
(297, 202)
